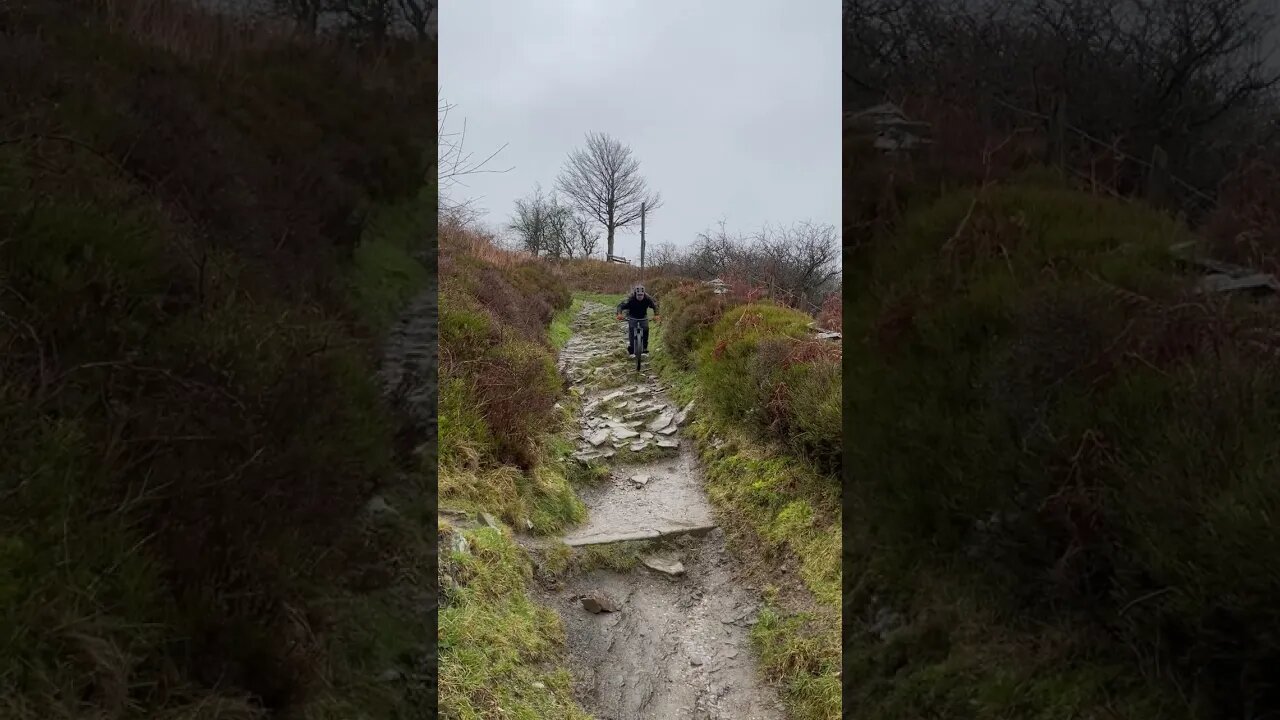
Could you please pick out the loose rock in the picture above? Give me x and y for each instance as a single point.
(460, 544)
(378, 506)
(598, 602)
(674, 568)
(684, 413)
(661, 421)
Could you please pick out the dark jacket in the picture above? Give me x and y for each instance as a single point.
(637, 308)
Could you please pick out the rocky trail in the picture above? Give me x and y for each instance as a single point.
(669, 639)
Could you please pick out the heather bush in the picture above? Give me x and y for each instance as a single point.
(191, 301)
(1042, 409)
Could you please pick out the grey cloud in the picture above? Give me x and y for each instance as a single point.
(731, 106)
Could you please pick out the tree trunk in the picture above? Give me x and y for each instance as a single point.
(609, 227)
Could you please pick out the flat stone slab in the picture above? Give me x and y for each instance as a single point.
(662, 421)
(604, 538)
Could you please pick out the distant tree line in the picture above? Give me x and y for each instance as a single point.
(1195, 77)
(373, 21)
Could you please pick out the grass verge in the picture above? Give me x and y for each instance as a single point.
(780, 510)
(499, 648)
(501, 412)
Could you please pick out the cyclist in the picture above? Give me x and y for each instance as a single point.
(636, 306)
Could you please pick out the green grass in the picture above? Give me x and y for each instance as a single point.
(503, 452)
(499, 648)
(560, 330)
(560, 561)
(543, 496)
(607, 299)
(384, 274)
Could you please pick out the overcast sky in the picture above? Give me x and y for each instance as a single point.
(731, 106)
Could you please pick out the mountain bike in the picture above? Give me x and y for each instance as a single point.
(637, 338)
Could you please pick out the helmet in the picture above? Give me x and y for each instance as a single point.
(637, 289)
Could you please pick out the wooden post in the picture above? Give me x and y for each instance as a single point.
(1158, 176)
(1058, 132)
(642, 241)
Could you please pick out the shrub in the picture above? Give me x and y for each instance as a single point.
(689, 311)
(192, 423)
(1057, 419)
(495, 352)
(760, 367)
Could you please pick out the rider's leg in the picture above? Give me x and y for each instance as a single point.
(630, 335)
(644, 337)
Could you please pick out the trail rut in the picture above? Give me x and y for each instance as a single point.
(677, 647)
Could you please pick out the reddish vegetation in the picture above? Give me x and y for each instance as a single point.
(1245, 227)
(495, 306)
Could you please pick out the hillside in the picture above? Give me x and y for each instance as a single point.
(538, 512)
(1061, 502)
(206, 229)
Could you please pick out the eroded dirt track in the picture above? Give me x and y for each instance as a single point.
(678, 645)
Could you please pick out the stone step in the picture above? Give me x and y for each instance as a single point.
(606, 538)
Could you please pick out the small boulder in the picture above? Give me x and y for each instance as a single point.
(460, 544)
(597, 602)
(684, 413)
(378, 505)
(673, 568)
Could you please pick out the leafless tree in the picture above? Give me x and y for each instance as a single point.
(603, 181)
(560, 229)
(663, 254)
(454, 163)
(420, 16)
(305, 14)
(800, 263)
(371, 19)
(712, 253)
(1188, 75)
(802, 260)
(544, 225)
(532, 220)
(586, 237)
